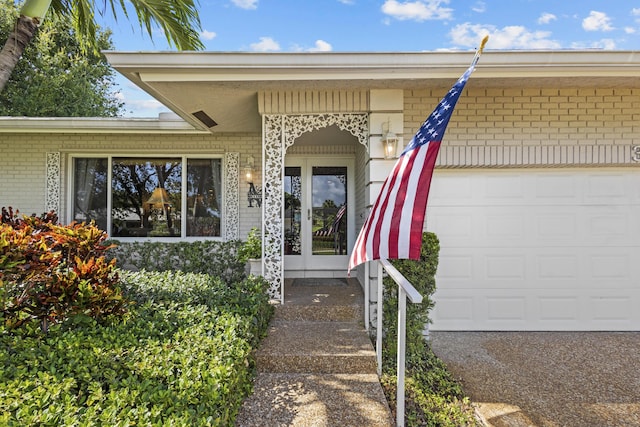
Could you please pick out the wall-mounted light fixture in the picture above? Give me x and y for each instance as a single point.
(389, 142)
(255, 192)
(249, 169)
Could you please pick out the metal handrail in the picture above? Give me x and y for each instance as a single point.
(405, 290)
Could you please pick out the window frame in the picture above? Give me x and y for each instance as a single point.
(183, 202)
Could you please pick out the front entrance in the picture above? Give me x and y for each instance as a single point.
(318, 216)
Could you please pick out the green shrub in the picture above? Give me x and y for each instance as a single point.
(252, 247)
(180, 357)
(219, 259)
(433, 397)
(49, 272)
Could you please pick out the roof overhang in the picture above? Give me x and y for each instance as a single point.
(218, 91)
(224, 85)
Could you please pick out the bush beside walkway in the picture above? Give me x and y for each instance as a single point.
(180, 357)
(433, 397)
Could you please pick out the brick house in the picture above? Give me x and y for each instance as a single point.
(535, 199)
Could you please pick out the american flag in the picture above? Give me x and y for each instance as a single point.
(393, 229)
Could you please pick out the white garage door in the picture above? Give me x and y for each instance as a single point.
(553, 249)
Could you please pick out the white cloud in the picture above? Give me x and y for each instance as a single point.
(246, 4)
(347, 1)
(321, 46)
(266, 44)
(510, 37)
(629, 30)
(141, 107)
(480, 7)
(418, 10)
(604, 44)
(597, 21)
(546, 17)
(635, 11)
(207, 35)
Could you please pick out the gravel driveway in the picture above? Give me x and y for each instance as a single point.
(547, 378)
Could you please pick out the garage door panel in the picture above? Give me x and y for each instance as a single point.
(558, 268)
(568, 268)
(606, 187)
(555, 188)
(538, 250)
(491, 188)
(542, 309)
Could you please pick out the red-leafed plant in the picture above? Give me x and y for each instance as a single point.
(49, 272)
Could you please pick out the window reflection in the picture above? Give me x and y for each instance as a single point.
(90, 196)
(329, 210)
(204, 197)
(146, 197)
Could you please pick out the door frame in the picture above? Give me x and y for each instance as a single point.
(307, 264)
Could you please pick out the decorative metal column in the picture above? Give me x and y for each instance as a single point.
(232, 194)
(52, 192)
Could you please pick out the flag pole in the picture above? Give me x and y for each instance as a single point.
(484, 41)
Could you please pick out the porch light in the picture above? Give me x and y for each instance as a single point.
(248, 169)
(389, 143)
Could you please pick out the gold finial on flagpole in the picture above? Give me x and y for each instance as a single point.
(482, 43)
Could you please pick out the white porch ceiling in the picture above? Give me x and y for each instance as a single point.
(226, 85)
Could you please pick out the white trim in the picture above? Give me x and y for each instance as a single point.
(244, 66)
(90, 125)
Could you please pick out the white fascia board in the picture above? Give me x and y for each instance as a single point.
(94, 125)
(242, 66)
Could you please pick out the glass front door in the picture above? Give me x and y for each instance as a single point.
(318, 217)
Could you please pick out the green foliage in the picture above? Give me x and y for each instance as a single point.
(218, 259)
(181, 357)
(178, 20)
(252, 247)
(433, 397)
(54, 78)
(50, 272)
(247, 298)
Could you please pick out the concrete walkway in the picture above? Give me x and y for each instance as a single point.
(568, 379)
(317, 365)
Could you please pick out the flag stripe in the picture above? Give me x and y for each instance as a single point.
(403, 206)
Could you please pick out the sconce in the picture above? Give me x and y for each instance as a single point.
(248, 169)
(389, 143)
(255, 193)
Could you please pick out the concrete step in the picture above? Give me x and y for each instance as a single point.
(322, 400)
(316, 347)
(319, 313)
(322, 302)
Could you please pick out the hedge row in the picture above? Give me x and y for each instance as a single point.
(181, 357)
(218, 259)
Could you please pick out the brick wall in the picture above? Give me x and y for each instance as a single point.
(531, 117)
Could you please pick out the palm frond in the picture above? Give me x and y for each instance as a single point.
(179, 20)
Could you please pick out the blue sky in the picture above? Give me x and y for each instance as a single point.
(391, 25)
